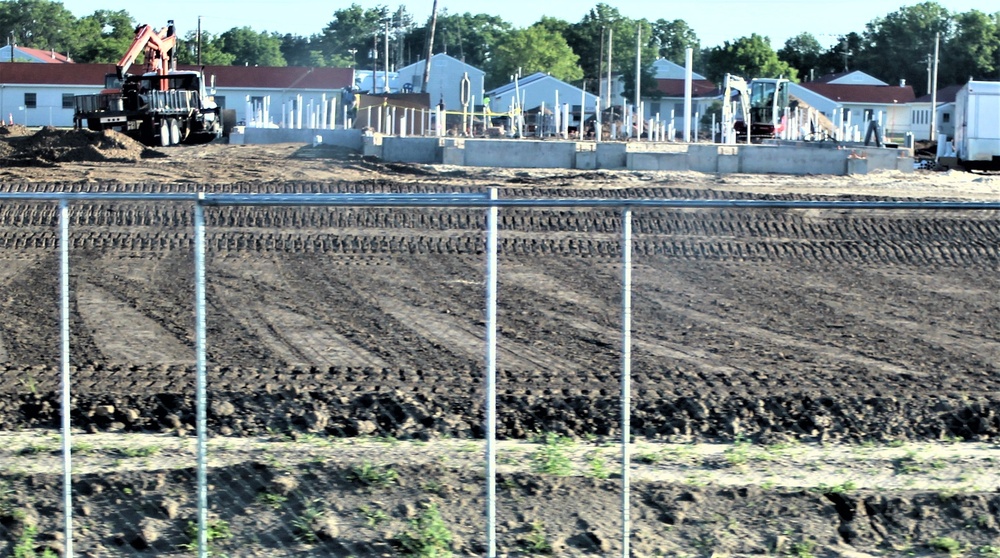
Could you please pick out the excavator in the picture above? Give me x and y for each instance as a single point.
(161, 106)
(763, 103)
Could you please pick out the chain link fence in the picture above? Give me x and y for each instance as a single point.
(315, 375)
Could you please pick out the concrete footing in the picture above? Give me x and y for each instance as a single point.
(803, 158)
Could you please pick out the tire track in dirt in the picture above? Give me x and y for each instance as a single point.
(764, 336)
(462, 336)
(886, 324)
(124, 333)
(9, 269)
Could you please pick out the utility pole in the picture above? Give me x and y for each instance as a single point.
(430, 50)
(386, 62)
(199, 40)
(611, 34)
(937, 46)
(638, 63)
(600, 64)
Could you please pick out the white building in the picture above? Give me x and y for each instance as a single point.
(445, 84)
(42, 94)
(541, 88)
(858, 97)
(670, 84)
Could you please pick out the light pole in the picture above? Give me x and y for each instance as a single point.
(354, 61)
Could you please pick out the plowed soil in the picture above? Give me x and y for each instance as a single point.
(835, 355)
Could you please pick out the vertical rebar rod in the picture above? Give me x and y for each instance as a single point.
(491, 377)
(64, 333)
(626, 374)
(199, 326)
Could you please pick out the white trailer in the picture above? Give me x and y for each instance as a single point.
(977, 125)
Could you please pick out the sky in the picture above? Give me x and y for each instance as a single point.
(715, 21)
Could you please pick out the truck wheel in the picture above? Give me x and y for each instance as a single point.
(175, 132)
(164, 133)
(228, 121)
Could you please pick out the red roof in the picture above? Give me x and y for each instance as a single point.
(247, 77)
(877, 94)
(675, 88)
(286, 77)
(946, 95)
(45, 56)
(49, 74)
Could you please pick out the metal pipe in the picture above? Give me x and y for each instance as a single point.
(483, 201)
(491, 373)
(626, 376)
(64, 333)
(199, 327)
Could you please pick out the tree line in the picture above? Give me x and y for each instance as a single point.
(893, 47)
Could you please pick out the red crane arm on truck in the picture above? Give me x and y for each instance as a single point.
(156, 46)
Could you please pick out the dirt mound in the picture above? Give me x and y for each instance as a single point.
(14, 130)
(50, 145)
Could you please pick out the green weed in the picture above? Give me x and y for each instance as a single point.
(373, 516)
(215, 530)
(304, 524)
(551, 458)
(428, 536)
(947, 545)
(273, 501)
(372, 476)
(537, 541)
(597, 468)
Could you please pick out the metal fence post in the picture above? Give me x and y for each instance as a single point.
(199, 306)
(491, 376)
(64, 334)
(626, 374)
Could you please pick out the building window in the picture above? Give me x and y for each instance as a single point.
(945, 117)
(678, 110)
(220, 101)
(869, 114)
(30, 100)
(67, 100)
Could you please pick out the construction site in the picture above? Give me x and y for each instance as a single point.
(802, 379)
(395, 329)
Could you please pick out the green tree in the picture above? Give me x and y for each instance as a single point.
(748, 57)
(803, 52)
(252, 48)
(105, 36)
(535, 49)
(39, 24)
(468, 37)
(585, 40)
(840, 57)
(672, 38)
(211, 50)
(308, 52)
(974, 50)
(358, 29)
(896, 46)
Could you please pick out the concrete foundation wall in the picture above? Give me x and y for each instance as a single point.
(611, 156)
(520, 154)
(350, 139)
(425, 151)
(807, 158)
(763, 159)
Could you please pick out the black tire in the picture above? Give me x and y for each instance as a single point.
(228, 121)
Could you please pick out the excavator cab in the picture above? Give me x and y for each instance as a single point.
(768, 99)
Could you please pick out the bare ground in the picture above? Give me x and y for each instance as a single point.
(805, 382)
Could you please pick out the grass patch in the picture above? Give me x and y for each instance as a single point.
(428, 536)
(370, 475)
(551, 458)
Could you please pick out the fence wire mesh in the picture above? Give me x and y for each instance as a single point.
(804, 379)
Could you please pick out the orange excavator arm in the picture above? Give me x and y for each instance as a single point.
(157, 47)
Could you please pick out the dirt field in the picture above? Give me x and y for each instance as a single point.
(804, 382)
